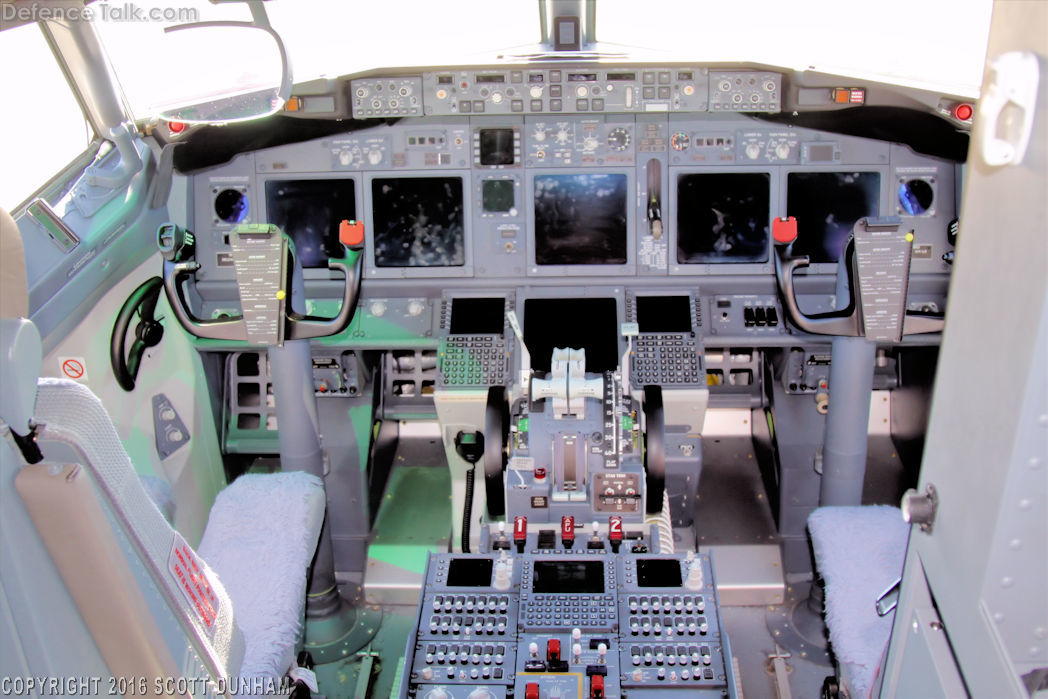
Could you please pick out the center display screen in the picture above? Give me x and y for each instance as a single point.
(664, 314)
(469, 572)
(484, 316)
(310, 212)
(418, 222)
(576, 577)
(658, 572)
(826, 206)
(588, 324)
(722, 217)
(581, 219)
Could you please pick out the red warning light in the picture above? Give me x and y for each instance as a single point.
(176, 126)
(963, 111)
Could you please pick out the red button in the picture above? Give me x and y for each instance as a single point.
(351, 233)
(784, 230)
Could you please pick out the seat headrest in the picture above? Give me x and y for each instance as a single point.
(14, 291)
(20, 346)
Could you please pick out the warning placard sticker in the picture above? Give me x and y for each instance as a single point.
(73, 368)
(188, 570)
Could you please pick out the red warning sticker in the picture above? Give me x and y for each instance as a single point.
(188, 570)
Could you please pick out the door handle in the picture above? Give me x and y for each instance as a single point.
(1007, 108)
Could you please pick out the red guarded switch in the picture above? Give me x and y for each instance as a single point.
(520, 529)
(567, 531)
(351, 234)
(531, 690)
(596, 687)
(553, 650)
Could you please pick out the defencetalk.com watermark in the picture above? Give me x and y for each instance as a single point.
(99, 11)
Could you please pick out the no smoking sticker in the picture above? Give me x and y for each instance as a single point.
(73, 368)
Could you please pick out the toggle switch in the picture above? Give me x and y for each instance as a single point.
(615, 532)
(567, 531)
(520, 532)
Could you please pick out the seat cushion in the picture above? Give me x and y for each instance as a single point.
(260, 538)
(859, 552)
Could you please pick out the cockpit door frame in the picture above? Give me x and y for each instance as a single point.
(973, 611)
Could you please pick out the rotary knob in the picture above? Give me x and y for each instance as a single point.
(374, 157)
(618, 139)
(377, 308)
(782, 151)
(415, 308)
(753, 151)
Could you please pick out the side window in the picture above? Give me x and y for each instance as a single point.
(42, 128)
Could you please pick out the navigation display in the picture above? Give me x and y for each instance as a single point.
(576, 577)
(580, 219)
(310, 211)
(722, 217)
(589, 324)
(827, 205)
(418, 222)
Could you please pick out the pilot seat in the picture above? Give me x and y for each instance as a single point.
(231, 611)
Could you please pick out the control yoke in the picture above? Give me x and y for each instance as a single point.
(876, 262)
(263, 258)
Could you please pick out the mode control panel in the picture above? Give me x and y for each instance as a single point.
(579, 623)
(575, 90)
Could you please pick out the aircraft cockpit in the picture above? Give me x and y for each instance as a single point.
(572, 370)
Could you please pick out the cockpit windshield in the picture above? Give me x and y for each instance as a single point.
(938, 43)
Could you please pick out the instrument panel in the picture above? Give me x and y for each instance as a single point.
(676, 194)
(568, 622)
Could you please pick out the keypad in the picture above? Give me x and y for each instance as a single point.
(658, 663)
(473, 360)
(569, 611)
(468, 615)
(666, 359)
(462, 662)
(665, 616)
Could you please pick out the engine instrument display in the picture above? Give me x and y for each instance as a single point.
(580, 219)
